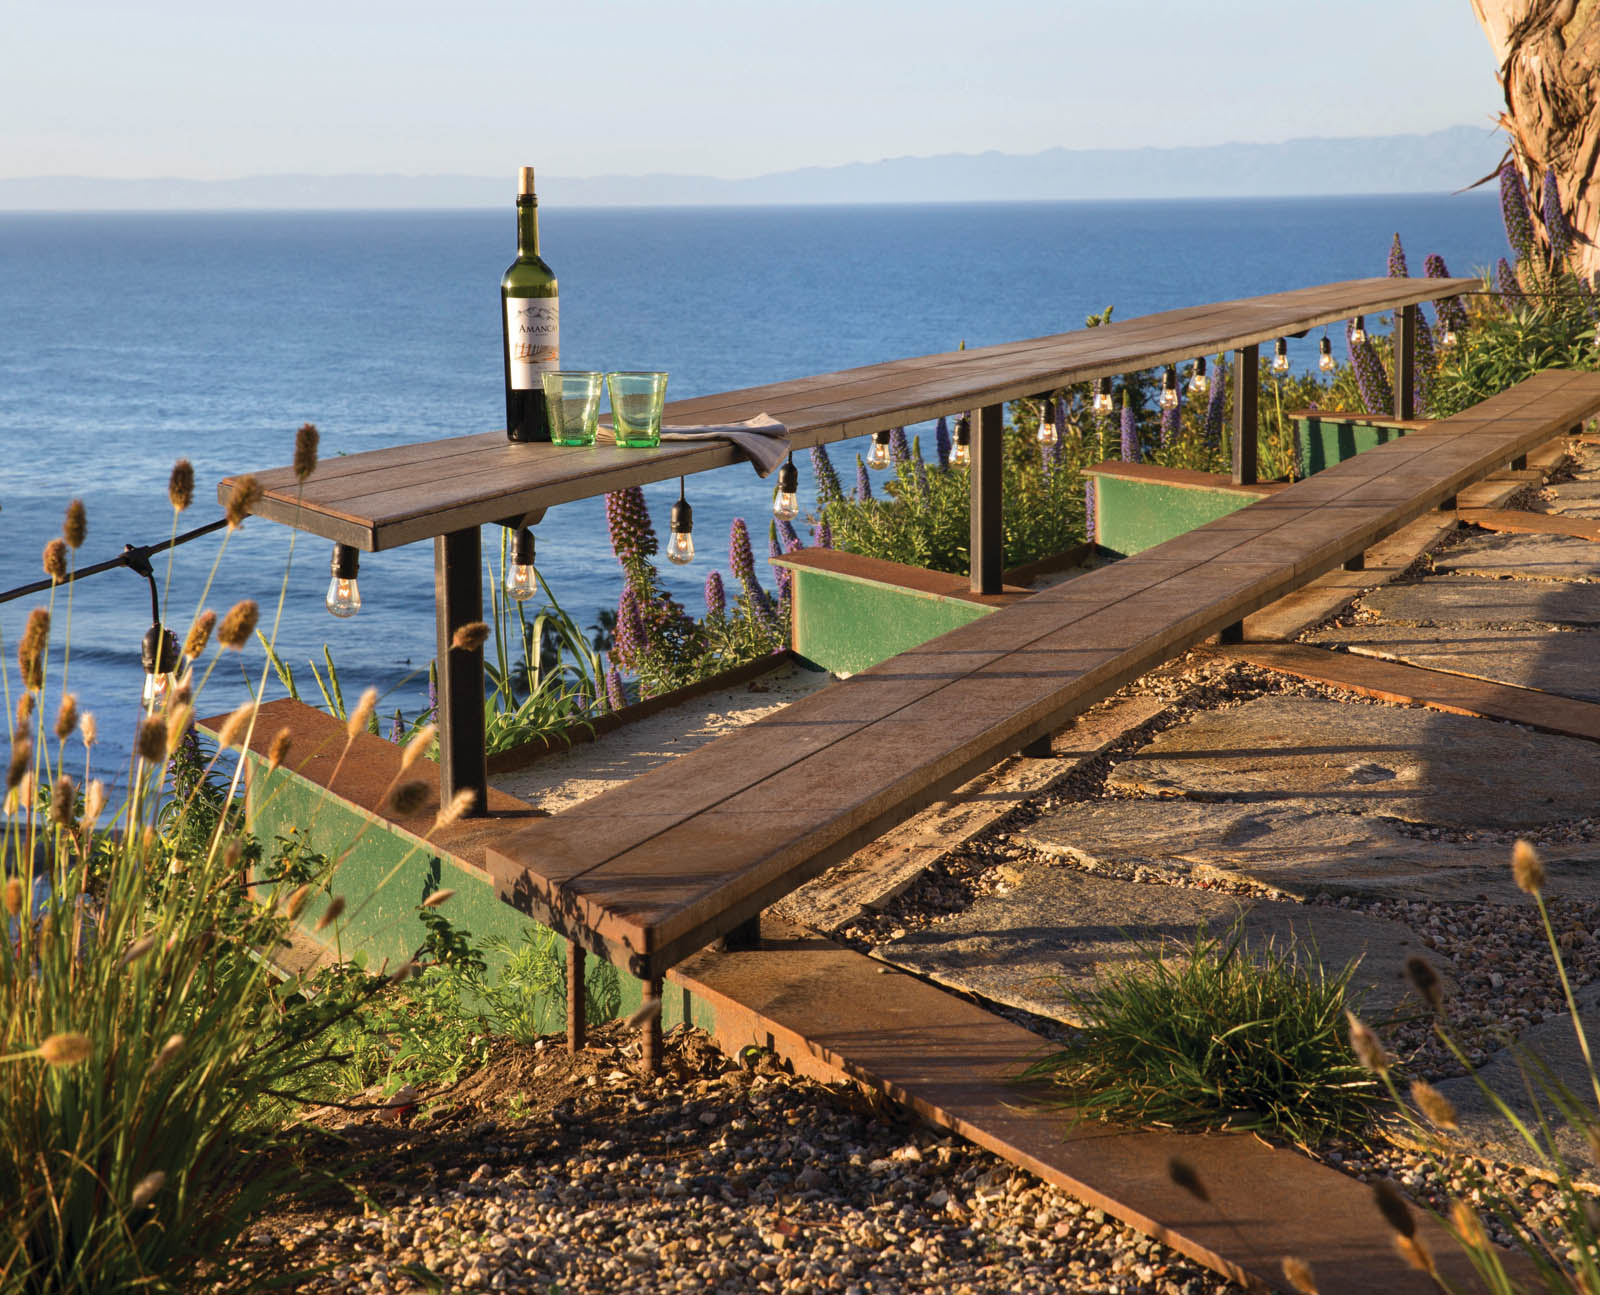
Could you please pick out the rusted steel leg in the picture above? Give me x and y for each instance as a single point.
(1357, 563)
(987, 534)
(1232, 633)
(1246, 390)
(1520, 463)
(577, 997)
(1038, 749)
(650, 1032)
(458, 601)
(747, 935)
(1405, 362)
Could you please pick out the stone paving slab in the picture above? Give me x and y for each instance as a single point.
(1527, 557)
(1567, 664)
(1299, 853)
(1415, 765)
(1571, 498)
(1466, 600)
(1060, 928)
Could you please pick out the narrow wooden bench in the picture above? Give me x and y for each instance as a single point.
(649, 872)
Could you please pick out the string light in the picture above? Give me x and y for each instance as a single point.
(1102, 395)
(961, 451)
(1169, 388)
(344, 595)
(1358, 330)
(1199, 382)
(522, 581)
(1325, 360)
(1280, 355)
(786, 498)
(680, 546)
(1047, 421)
(158, 653)
(1448, 338)
(879, 458)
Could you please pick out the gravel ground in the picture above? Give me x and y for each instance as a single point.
(574, 1174)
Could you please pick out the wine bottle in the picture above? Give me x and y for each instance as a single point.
(530, 323)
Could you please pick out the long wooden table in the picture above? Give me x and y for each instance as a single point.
(445, 490)
(653, 870)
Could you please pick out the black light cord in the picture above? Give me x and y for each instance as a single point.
(136, 557)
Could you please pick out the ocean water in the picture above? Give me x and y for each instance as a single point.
(127, 341)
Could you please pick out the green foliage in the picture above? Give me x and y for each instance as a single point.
(1215, 1035)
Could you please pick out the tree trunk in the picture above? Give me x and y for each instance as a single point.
(1549, 57)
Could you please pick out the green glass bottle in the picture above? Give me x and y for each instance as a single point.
(530, 323)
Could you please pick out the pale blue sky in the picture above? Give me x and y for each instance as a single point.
(215, 89)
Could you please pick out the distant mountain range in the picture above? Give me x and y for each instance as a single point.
(1433, 163)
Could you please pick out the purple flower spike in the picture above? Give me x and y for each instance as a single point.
(919, 469)
(828, 490)
(899, 451)
(1171, 423)
(1514, 210)
(941, 441)
(863, 482)
(1216, 406)
(1555, 221)
(789, 537)
(1130, 432)
(1397, 260)
(1452, 314)
(716, 596)
(1427, 363)
(822, 537)
(397, 730)
(1376, 393)
(633, 538)
(1088, 510)
(628, 640)
(740, 559)
(1510, 289)
(616, 695)
(775, 550)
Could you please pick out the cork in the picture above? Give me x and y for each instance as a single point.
(524, 181)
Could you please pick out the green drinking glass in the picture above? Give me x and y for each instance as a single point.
(573, 398)
(636, 401)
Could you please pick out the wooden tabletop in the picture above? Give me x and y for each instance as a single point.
(382, 499)
(656, 868)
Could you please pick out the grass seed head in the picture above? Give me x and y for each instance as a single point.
(234, 726)
(296, 903)
(1297, 1272)
(1183, 1174)
(152, 740)
(178, 725)
(88, 728)
(146, 1188)
(1415, 1253)
(239, 624)
(1396, 1213)
(642, 1014)
(63, 797)
(66, 1049)
(459, 804)
(1425, 980)
(1468, 1226)
(417, 747)
(1527, 868)
(438, 897)
(305, 451)
(1364, 1043)
(470, 637)
(138, 949)
(1439, 1109)
(408, 797)
(75, 529)
(199, 634)
(30, 649)
(24, 710)
(331, 913)
(67, 717)
(244, 496)
(21, 762)
(278, 752)
(180, 485)
(55, 559)
(358, 719)
(13, 896)
(94, 800)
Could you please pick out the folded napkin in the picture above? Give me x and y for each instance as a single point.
(761, 438)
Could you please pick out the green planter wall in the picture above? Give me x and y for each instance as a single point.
(1328, 438)
(1140, 505)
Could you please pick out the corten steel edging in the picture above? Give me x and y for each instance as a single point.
(288, 502)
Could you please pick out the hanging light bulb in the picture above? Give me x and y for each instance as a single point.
(1102, 395)
(680, 545)
(961, 451)
(159, 654)
(1199, 382)
(1358, 330)
(786, 499)
(1169, 388)
(1047, 421)
(1448, 337)
(879, 458)
(344, 596)
(522, 581)
(1280, 355)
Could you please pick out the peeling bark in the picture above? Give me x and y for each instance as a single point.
(1549, 57)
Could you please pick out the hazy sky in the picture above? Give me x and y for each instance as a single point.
(212, 89)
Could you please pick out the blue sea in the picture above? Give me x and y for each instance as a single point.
(130, 340)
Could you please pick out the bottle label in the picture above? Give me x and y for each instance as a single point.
(533, 332)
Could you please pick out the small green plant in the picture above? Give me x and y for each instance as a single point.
(1215, 1035)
